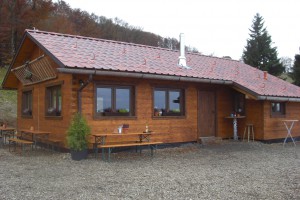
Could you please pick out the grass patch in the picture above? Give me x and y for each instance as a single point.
(8, 103)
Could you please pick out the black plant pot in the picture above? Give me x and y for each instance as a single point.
(79, 155)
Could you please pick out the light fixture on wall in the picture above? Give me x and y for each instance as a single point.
(81, 82)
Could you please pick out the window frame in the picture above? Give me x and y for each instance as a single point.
(168, 114)
(27, 92)
(114, 113)
(48, 98)
(281, 112)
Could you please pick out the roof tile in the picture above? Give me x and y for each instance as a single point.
(83, 52)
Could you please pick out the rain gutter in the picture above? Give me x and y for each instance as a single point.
(143, 76)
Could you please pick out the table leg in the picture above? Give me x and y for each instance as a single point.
(96, 147)
(235, 130)
(109, 151)
(289, 130)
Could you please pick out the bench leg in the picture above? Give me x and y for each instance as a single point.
(95, 150)
(1, 141)
(23, 148)
(12, 143)
(108, 156)
(153, 147)
(102, 153)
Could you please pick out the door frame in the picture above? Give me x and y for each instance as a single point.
(198, 110)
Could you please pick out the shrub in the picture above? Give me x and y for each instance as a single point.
(77, 133)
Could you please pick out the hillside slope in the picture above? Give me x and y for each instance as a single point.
(8, 103)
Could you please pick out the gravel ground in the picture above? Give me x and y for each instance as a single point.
(229, 170)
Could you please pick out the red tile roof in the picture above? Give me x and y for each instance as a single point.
(91, 53)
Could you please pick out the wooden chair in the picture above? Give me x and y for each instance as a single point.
(249, 129)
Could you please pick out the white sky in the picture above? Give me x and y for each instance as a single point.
(218, 27)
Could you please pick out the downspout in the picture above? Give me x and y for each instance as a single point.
(80, 90)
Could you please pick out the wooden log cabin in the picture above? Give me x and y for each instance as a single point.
(182, 96)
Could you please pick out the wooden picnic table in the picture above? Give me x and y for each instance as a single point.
(35, 134)
(6, 132)
(143, 139)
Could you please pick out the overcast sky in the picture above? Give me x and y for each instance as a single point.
(218, 27)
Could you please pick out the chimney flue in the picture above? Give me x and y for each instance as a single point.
(182, 59)
(265, 75)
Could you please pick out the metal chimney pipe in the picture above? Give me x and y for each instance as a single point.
(181, 58)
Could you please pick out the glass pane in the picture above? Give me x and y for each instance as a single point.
(59, 99)
(104, 96)
(53, 99)
(123, 100)
(27, 103)
(174, 101)
(275, 107)
(30, 100)
(160, 100)
(278, 107)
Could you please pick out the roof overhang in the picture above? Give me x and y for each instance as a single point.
(6, 85)
(234, 85)
(141, 75)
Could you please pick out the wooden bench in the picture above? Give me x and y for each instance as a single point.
(54, 143)
(23, 143)
(152, 145)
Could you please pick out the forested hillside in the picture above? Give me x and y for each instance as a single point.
(18, 15)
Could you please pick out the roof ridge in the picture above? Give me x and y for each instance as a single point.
(125, 43)
(99, 39)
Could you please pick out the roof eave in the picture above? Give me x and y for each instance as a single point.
(278, 99)
(142, 75)
(27, 34)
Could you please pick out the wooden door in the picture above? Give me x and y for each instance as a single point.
(206, 114)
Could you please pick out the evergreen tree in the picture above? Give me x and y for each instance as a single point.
(258, 51)
(296, 70)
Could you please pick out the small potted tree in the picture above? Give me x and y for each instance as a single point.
(77, 137)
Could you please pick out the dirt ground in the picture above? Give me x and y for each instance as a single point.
(229, 170)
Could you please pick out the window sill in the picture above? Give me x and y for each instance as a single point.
(277, 116)
(115, 117)
(169, 117)
(116, 114)
(27, 116)
(54, 117)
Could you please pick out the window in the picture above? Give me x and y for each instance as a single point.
(239, 103)
(168, 102)
(53, 101)
(278, 108)
(27, 103)
(114, 100)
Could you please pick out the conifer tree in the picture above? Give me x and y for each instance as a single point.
(296, 70)
(258, 52)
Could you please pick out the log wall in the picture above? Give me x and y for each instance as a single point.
(168, 129)
(274, 127)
